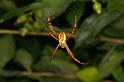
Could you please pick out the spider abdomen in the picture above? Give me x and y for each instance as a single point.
(62, 37)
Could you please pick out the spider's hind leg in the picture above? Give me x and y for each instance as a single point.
(53, 54)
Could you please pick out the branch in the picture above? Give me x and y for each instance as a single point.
(111, 40)
(18, 32)
(33, 33)
(102, 38)
(7, 73)
(108, 81)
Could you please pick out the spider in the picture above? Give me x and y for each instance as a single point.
(62, 37)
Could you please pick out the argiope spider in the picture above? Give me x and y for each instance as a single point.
(62, 37)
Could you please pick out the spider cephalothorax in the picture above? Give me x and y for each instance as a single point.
(62, 37)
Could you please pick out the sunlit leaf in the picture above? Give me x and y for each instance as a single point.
(89, 74)
(7, 49)
(24, 31)
(22, 18)
(37, 25)
(38, 13)
(97, 7)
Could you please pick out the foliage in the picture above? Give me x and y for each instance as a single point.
(99, 40)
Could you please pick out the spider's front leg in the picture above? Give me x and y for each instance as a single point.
(50, 28)
(74, 28)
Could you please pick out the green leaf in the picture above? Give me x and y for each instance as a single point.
(118, 72)
(111, 61)
(38, 13)
(47, 51)
(57, 79)
(19, 79)
(77, 6)
(37, 25)
(7, 4)
(110, 31)
(65, 66)
(24, 31)
(45, 65)
(22, 18)
(93, 25)
(7, 49)
(116, 29)
(32, 45)
(119, 23)
(55, 65)
(97, 7)
(89, 74)
(116, 5)
(19, 11)
(2, 79)
(24, 58)
(56, 6)
(107, 46)
(121, 79)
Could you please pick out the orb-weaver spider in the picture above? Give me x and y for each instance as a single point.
(62, 37)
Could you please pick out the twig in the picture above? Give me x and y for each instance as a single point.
(112, 40)
(102, 38)
(33, 33)
(7, 73)
(108, 81)
(18, 32)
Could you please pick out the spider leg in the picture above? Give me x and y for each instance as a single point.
(53, 54)
(71, 55)
(53, 36)
(50, 28)
(74, 28)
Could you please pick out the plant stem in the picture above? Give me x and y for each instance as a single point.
(102, 38)
(17, 32)
(112, 40)
(8, 73)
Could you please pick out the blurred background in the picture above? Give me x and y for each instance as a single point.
(26, 46)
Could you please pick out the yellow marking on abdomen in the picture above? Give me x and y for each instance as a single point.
(62, 37)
